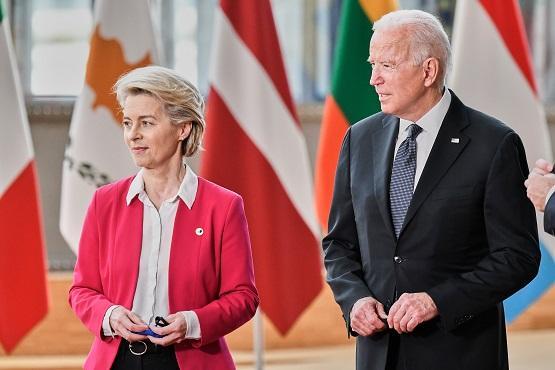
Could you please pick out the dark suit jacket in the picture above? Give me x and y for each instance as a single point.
(549, 216)
(469, 238)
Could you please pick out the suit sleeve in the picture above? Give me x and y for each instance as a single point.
(341, 249)
(238, 297)
(513, 251)
(86, 295)
(549, 216)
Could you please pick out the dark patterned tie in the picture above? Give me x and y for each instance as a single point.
(402, 178)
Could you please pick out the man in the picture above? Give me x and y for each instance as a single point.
(540, 187)
(430, 227)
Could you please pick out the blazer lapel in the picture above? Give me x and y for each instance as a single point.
(128, 245)
(188, 233)
(444, 152)
(383, 147)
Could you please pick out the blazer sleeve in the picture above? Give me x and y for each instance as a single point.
(549, 216)
(238, 297)
(86, 296)
(512, 237)
(341, 248)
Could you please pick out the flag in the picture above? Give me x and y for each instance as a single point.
(23, 290)
(255, 146)
(492, 72)
(122, 39)
(351, 98)
(542, 40)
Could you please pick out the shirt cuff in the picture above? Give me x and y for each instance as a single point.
(193, 325)
(549, 194)
(106, 327)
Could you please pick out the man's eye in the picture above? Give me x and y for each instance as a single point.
(147, 123)
(126, 123)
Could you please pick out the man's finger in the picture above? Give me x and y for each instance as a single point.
(404, 321)
(381, 311)
(392, 312)
(412, 324)
(373, 319)
(398, 317)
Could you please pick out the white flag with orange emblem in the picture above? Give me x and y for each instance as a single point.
(122, 39)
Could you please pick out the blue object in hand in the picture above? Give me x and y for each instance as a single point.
(159, 321)
(148, 332)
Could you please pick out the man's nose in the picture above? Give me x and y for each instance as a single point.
(375, 78)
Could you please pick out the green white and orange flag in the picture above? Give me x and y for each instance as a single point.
(122, 39)
(23, 289)
(351, 98)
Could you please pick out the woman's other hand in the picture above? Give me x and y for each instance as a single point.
(173, 333)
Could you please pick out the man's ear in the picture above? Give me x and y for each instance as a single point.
(431, 71)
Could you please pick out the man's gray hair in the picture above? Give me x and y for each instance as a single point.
(426, 36)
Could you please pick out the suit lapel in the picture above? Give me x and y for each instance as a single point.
(444, 152)
(383, 146)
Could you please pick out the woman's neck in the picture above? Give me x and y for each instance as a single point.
(163, 182)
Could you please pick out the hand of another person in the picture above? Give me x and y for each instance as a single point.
(124, 322)
(539, 183)
(173, 333)
(543, 167)
(410, 310)
(368, 316)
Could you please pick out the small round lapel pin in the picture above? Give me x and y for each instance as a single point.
(199, 231)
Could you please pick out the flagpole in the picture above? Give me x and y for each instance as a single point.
(258, 339)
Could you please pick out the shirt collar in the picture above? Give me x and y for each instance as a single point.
(187, 190)
(431, 121)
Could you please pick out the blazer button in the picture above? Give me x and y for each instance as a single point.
(397, 259)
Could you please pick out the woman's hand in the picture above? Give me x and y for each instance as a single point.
(124, 322)
(173, 333)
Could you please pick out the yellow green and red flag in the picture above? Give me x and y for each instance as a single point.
(351, 97)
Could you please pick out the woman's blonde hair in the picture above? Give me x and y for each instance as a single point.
(181, 100)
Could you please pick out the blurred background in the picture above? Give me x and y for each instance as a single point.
(51, 44)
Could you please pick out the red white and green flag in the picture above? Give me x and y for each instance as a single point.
(351, 98)
(23, 290)
(256, 147)
(492, 72)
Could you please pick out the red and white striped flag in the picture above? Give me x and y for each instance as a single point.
(23, 295)
(255, 146)
(492, 72)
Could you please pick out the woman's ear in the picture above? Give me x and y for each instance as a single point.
(185, 128)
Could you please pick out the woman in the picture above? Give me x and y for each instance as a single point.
(164, 243)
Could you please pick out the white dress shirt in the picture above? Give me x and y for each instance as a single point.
(430, 123)
(151, 294)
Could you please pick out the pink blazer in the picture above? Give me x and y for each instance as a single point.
(211, 274)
